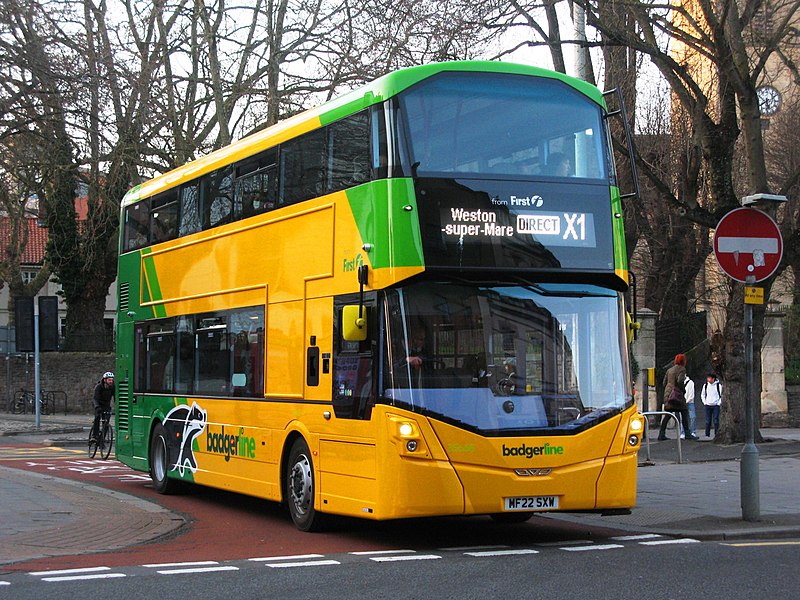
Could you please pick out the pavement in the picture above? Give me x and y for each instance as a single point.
(698, 497)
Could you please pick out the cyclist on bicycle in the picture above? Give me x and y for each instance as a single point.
(103, 395)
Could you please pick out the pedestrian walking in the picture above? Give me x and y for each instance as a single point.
(711, 395)
(675, 396)
(689, 395)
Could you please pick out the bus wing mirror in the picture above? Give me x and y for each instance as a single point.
(354, 323)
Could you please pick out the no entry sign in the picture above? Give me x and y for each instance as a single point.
(748, 243)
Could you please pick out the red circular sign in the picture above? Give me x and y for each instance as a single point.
(748, 243)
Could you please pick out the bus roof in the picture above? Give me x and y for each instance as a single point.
(374, 92)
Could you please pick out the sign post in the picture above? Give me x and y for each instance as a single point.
(749, 247)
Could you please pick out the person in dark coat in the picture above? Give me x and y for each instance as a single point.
(675, 379)
(103, 396)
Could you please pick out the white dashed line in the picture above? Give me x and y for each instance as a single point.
(379, 552)
(597, 547)
(69, 571)
(200, 563)
(664, 542)
(295, 557)
(502, 552)
(84, 577)
(633, 538)
(565, 543)
(198, 570)
(405, 557)
(472, 548)
(308, 563)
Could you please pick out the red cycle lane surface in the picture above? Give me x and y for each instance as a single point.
(223, 525)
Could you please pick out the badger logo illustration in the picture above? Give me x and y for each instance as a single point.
(185, 423)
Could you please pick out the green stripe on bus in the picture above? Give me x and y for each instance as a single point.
(620, 249)
(152, 287)
(387, 210)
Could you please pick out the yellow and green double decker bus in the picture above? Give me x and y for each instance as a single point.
(406, 302)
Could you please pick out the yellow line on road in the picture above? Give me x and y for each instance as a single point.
(744, 544)
(13, 453)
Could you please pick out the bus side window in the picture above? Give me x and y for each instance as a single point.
(348, 152)
(136, 225)
(255, 189)
(212, 368)
(164, 217)
(140, 358)
(302, 168)
(247, 352)
(217, 197)
(184, 371)
(160, 356)
(190, 221)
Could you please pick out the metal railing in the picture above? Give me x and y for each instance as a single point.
(23, 402)
(677, 429)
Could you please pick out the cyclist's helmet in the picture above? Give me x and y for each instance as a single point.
(108, 374)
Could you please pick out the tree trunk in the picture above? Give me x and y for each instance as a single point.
(86, 331)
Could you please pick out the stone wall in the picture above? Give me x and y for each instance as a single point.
(74, 373)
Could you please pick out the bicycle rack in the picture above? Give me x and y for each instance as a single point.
(677, 430)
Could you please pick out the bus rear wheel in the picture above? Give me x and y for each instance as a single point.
(159, 463)
(300, 488)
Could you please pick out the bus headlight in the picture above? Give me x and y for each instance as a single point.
(636, 425)
(635, 430)
(406, 434)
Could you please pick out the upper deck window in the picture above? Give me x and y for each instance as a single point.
(336, 157)
(508, 125)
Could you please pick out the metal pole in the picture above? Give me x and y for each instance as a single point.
(749, 465)
(36, 386)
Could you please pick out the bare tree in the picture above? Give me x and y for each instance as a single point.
(714, 83)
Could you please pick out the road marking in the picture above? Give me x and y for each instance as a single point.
(5, 583)
(69, 571)
(295, 557)
(472, 548)
(198, 570)
(665, 542)
(405, 557)
(746, 544)
(84, 577)
(597, 547)
(52, 452)
(502, 553)
(308, 563)
(200, 563)
(567, 543)
(631, 538)
(378, 552)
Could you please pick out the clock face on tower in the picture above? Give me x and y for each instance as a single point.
(769, 100)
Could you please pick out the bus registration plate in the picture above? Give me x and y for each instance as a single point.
(531, 503)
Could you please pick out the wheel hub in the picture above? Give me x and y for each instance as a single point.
(301, 485)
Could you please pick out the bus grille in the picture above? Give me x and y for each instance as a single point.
(124, 295)
(123, 406)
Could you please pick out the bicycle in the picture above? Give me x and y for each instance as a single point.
(104, 439)
(25, 401)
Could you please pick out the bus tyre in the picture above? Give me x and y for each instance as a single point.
(159, 462)
(300, 488)
(511, 518)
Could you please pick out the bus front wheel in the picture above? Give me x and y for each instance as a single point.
(300, 488)
(159, 462)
